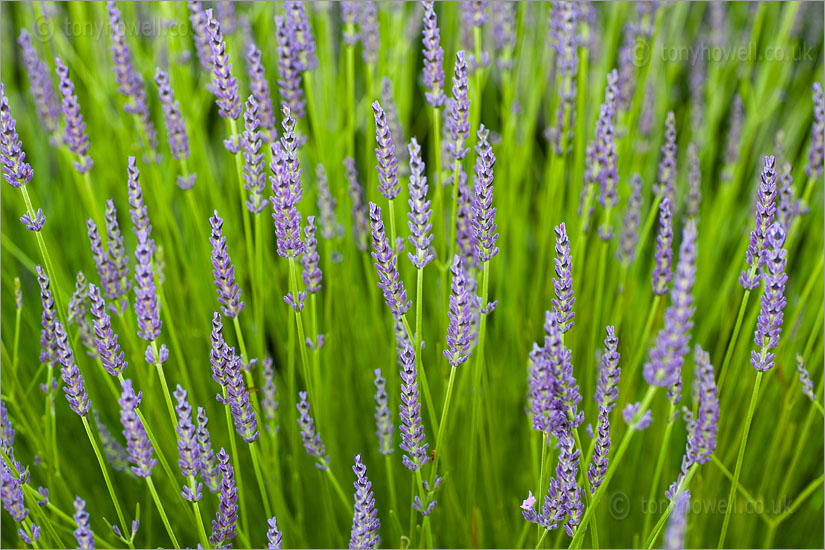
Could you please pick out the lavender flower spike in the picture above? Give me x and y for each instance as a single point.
(677, 527)
(769, 322)
(115, 452)
(246, 423)
(386, 263)
(433, 58)
(287, 190)
(301, 36)
(458, 332)
(312, 440)
(146, 300)
(359, 211)
(76, 138)
(664, 254)
(630, 414)
(253, 174)
(694, 196)
(226, 518)
(200, 35)
(225, 86)
(269, 404)
(484, 213)
(48, 338)
(607, 392)
(74, 387)
(108, 348)
(229, 293)
(188, 449)
(259, 87)
(365, 522)
(702, 439)
(40, 83)
(83, 533)
(289, 76)
(765, 211)
(118, 286)
(273, 535)
(383, 418)
(370, 39)
(412, 429)
(458, 122)
(805, 378)
(11, 490)
(15, 169)
(309, 260)
(385, 153)
(566, 473)
(420, 210)
(175, 127)
(206, 466)
(816, 154)
(667, 166)
(563, 282)
(667, 355)
(138, 444)
(630, 225)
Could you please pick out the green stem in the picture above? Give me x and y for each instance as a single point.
(201, 530)
(236, 459)
(661, 523)
(302, 346)
(642, 344)
(657, 473)
(391, 483)
(257, 467)
(738, 470)
(345, 501)
(476, 387)
(732, 342)
(105, 472)
(166, 395)
(162, 512)
(247, 226)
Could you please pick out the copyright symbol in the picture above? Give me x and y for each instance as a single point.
(641, 52)
(43, 28)
(619, 506)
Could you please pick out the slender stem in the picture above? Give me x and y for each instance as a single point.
(812, 486)
(236, 459)
(391, 483)
(661, 523)
(476, 387)
(442, 426)
(738, 470)
(594, 533)
(453, 244)
(257, 466)
(350, 50)
(259, 280)
(345, 501)
(657, 472)
(611, 469)
(247, 226)
(732, 342)
(166, 395)
(105, 472)
(643, 337)
(16, 345)
(302, 346)
(196, 507)
(162, 512)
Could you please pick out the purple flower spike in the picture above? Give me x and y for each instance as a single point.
(667, 166)
(564, 21)
(301, 36)
(33, 538)
(40, 82)
(200, 35)
(83, 533)
(476, 11)
(504, 33)
(130, 82)
(175, 127)
(78, 314)
(630, 414)
(433, 58)
(35, 224)
(6, 429)
(253, 169)
(108, 349)
(11, 490)
(287, 190)
(563, 282)
(789, 208)
(330, 228)
(259, 86)
(668, 353)
(385, 153)
(765, 211)
(146, 300)
(805, 378)
(76, 138)
(664, 254)
(309, 260)
(289, 76)
(15, 168)
(138, 444)
(816, 154)
(702, 439)
(269, 404)
(312, 440)
(458, 332)
(412, 429)
(370, 40)
(677, 526)
(226, 518)
(420, 210)
(349, 13)
(359, 211)
(365, 522)
(48, 339)
(598, 468)
(769, 322)
(216, 357)
(458, 122)
(224, 85)
(484, 213)
(74, 387)
(246, 422)
(386, 262)
(273, 535)
(607, 391)
(117, 286)
(630, 225)
(188, 449)
(383, 418)
(229, 293)
(206, 457)
(115, 453)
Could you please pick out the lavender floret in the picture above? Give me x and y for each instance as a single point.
(138, 444)
(83, 533)
(229, 292)
(458, 332)
(816, 153)
(312, 440)
(769, 322)
(224, 525)
(765, 211)
(17, 171)
(412, 428)
(630, 414)
(108, 348)
(225, 86)
(563, 282)
(667, 166)
(458, 122)
(273, 535)
(385, 153)
(420, 210)
(433, 58)
(365, 522)
(74, 387)
(209, 471)
(386, 262)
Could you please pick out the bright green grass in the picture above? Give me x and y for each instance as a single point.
(780, 499)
